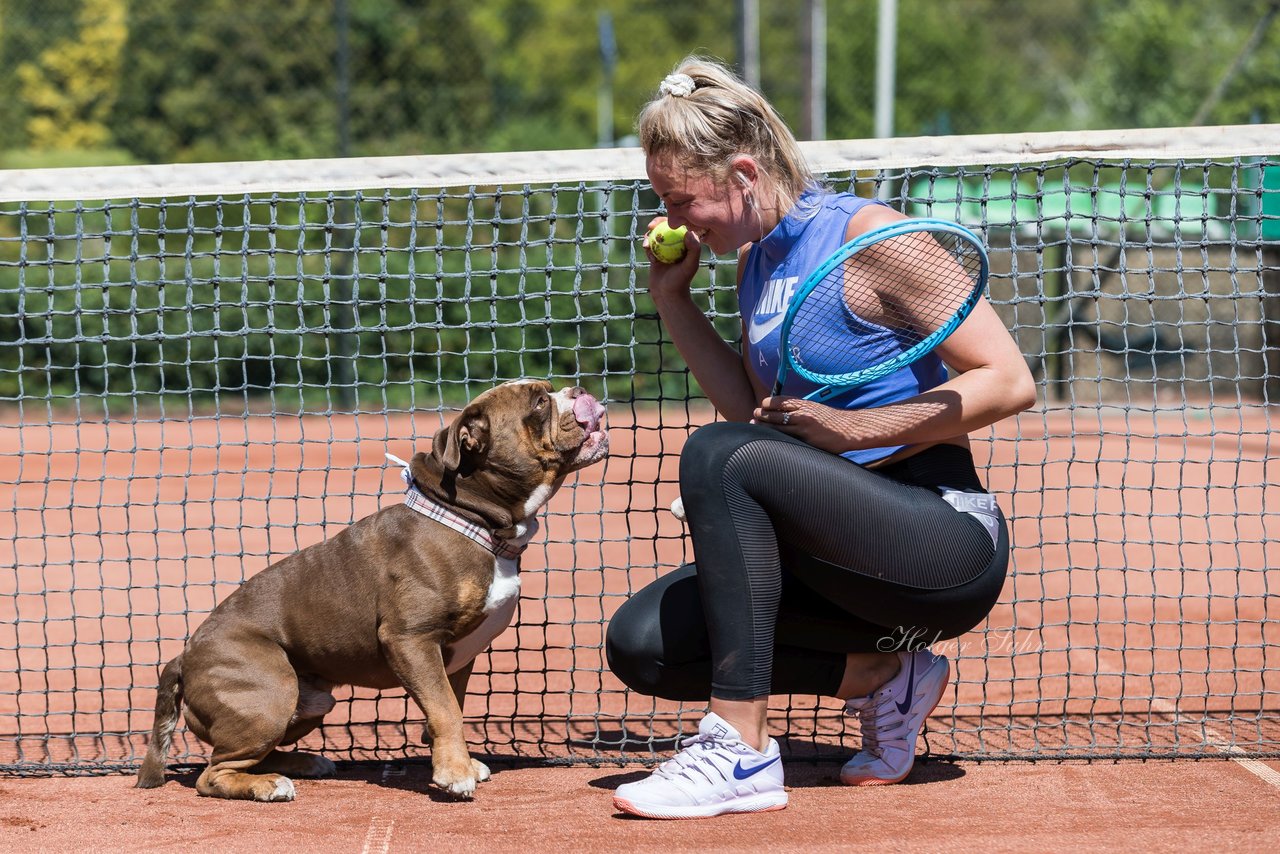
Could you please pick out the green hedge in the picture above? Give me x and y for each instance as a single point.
(300, 302)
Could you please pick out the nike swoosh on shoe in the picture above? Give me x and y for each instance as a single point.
(741, 773)
(904, 705)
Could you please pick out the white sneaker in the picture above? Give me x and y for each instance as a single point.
(714, 773)
(892, 718)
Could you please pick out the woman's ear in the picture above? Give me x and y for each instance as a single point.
(745, 170)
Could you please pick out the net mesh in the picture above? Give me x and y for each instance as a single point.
(201, 370)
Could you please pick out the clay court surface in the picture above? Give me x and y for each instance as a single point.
(1139, 622)
(963, 806)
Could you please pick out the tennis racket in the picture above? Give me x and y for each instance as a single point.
(879, 303)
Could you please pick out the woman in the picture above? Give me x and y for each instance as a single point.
(828, 547)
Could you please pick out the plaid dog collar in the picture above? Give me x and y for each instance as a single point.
(420, 503)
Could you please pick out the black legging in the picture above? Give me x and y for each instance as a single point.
(801, 557)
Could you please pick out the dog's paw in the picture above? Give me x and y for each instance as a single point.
(482, 770)
(462, 787)
(459, 778)
(273, 787)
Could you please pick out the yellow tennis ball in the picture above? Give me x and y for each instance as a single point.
(667, 243)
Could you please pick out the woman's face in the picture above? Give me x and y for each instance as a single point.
(718, 212)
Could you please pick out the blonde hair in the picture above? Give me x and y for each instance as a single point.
(704, 116)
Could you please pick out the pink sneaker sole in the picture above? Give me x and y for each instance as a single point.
(684, 813)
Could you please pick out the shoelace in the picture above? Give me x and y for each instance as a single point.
(872, 723)
(696, 752)
(867, 723)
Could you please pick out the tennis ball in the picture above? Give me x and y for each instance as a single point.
(667, 243)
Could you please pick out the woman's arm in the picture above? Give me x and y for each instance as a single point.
(716, 365)
(992, 382)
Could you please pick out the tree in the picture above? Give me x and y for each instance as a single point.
(226, 80)
(69, 90)
(1158, 60)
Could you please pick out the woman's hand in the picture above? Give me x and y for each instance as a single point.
(667, 281)
(818, 425)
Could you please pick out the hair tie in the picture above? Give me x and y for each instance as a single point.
(677, 85)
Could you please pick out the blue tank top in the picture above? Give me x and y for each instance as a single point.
(775, 268)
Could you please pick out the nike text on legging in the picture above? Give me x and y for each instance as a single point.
(801, 556)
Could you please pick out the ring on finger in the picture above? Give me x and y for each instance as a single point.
(786, 418)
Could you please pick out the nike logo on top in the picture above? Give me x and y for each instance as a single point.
(741, 772)
(771, 308)
(904, 706)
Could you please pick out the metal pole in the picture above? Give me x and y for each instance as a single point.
(886, 64)
(342, 23)
(608, 61)
(342, 316)
(817, 69)
(749, 41)
(604, 111)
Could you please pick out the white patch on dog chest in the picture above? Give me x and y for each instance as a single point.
(499, 608)
(540, 496)
(505, 586)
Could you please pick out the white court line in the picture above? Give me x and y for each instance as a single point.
(1263, 772)
(378, 838)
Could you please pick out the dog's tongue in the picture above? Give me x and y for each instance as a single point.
(587, 411)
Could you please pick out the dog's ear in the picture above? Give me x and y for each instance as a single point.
(446, 450)
(467, 436)
(474, 436)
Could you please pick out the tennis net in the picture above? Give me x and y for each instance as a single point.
(202, 366)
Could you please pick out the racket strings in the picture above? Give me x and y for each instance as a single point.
(912, 284)
(880, 302)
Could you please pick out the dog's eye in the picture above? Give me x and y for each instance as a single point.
(541, 403)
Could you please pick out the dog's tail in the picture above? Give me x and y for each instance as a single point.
(168, 704)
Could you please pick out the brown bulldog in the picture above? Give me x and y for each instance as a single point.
(406, 597)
